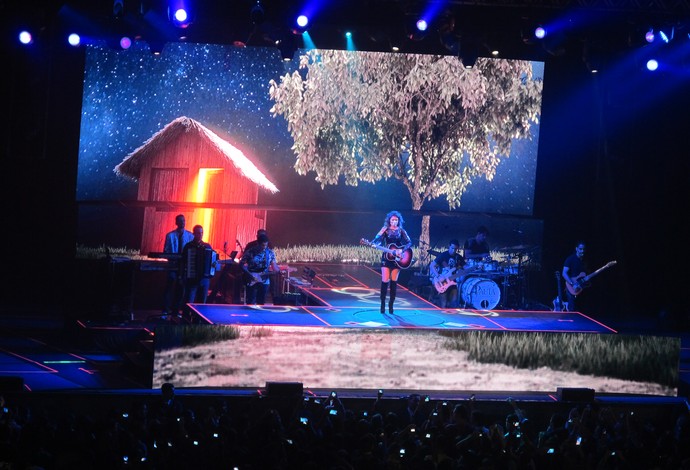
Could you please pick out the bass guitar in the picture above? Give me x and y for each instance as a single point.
(582, 280)
(448, 277)
(558, 304)
(402, 259)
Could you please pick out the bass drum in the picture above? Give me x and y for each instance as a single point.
(480, 293)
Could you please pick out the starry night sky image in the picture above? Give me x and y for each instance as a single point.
(130, 95)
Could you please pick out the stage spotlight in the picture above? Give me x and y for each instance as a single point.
(179, 13)
(349, 42)
(649, 36)
(307, 41)
(257, 15)
(125, 42)
(302, 21)
(416, 29)
(540, 32)
(652, 65)
(666, 37)
(74, 39)
(26, 38)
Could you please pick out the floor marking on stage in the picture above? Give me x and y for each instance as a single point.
(319, 318)
(373, 324)
(462, 325)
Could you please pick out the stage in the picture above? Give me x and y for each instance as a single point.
(348, 296)
(322, 327)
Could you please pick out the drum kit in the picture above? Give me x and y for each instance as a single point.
(489, 280)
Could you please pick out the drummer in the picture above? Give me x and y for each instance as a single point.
(477, 248)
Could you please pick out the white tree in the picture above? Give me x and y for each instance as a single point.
(425, 120)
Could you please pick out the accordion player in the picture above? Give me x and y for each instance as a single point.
(200, 262)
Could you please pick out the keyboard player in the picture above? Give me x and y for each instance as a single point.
(175, 241)
(197, 267)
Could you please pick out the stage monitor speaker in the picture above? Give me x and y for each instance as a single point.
(284, 389)
(11, 384)
(575, 394)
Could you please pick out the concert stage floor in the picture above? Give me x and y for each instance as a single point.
(403, 317)
(347, 296)
(104, 354)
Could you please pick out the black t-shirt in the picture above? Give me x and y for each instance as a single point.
(445, 259)
(575, 265)
(472, 246)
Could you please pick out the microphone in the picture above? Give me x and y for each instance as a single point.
(225, 247)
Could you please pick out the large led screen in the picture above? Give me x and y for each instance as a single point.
(414, 359)
(330, 137)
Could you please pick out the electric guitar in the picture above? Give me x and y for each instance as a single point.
(448, 277)
(582, 280)
(403, 260)
(260, 278)
(256, 278)
(558, 304)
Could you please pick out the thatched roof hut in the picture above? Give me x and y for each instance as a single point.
(133, 163)
(187, 162)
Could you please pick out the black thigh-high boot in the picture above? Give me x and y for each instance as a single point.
(384, 289)
(394, 288)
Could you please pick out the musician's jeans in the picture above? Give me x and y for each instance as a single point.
(172, 297)
(571, 301)
(256, 294)
(197, 291)
(449, 298)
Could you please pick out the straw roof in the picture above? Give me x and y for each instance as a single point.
(132, 164)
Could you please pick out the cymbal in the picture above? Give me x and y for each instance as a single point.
(518, 248)
(434, 252)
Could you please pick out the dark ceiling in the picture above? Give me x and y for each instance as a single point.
(377, 25)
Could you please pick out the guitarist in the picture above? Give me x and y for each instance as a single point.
(392, 233)
(573, 268)
(448, 260)
(257, 262)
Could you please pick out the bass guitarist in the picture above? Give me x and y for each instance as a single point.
(444, 267)
(392, 234)
(574, 267)
(258, 262)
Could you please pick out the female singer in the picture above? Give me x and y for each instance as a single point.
(392, 233)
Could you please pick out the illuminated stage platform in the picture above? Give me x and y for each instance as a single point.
(348, 296)
(403, 317)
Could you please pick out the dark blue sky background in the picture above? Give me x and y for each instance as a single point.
(130, 95)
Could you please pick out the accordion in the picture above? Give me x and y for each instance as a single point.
(200, 262)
